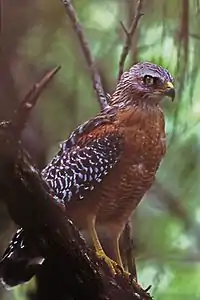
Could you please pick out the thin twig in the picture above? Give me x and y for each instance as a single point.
(129, 252)
(96, 80)
(21, 114)
(129, 36)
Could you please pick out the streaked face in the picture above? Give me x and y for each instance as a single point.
(154, 82)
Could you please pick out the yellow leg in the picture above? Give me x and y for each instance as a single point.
(117, 253)
(118, 256)
(98, 248)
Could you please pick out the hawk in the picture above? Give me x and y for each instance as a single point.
(101, 173)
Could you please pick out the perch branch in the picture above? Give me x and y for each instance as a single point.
(96, 80)
(129, 36)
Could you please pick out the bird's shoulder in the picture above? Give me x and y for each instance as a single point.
(95, 127)
(85, 159)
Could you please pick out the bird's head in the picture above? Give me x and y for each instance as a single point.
(144, 82)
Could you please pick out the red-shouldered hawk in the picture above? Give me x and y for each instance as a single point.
(103, 170)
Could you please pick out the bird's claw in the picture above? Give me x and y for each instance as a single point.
(113, 266)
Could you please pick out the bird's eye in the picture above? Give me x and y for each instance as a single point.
(148, 80)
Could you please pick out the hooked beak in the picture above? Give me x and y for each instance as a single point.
(169, 90)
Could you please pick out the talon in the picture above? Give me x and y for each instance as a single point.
(126, 274)
(113, 266)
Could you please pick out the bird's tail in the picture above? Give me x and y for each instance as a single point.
(20, 261)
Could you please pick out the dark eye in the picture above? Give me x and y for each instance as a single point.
(148, 80)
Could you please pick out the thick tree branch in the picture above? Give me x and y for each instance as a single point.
(129, 36)
(96, 80)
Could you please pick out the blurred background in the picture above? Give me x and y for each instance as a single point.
(36, 36)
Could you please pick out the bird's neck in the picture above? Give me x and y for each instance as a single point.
(136, 110)
(141, 115)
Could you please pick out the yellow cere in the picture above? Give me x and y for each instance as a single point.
(169, 85)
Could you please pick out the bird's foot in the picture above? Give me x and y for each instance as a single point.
(113, 266)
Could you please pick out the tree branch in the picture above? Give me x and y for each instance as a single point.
(129, 36)
(128, 250)
(96, 80)
(21, 114)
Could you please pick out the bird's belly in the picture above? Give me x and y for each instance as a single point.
(122, 189)
(128, 183)
(123, 195)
